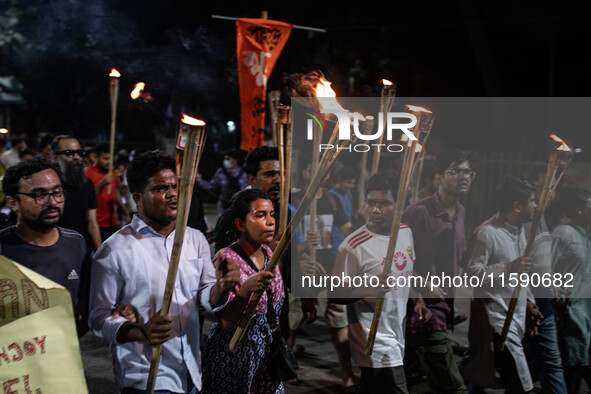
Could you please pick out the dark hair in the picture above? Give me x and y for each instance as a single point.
(513, 189)
(26, 169)
(304, 85)
(25, 152)
(14, 141)
(384, 180)
(144, 166)
(102, 148)
(571, 198)
(343, 173)
(46, 140)
(56, 140)
(233, 153)
(531, 174)
(254, 157)
(240, 204)
(446, 158)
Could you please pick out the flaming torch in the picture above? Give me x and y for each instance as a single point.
(114, 95)
(327, 161)
(421, 132)
(192, 137)
(558, 162)
(138, 88)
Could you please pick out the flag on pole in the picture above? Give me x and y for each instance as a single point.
(259, 43)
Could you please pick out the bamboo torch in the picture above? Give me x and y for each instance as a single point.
(417, 171)
(114, 95)
(558, 162)
(284, 137)
(363, 166)
(386, 101)
(192, 131)
(273, 99)
(421, 132)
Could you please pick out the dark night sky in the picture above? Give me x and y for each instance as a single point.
(187, 59)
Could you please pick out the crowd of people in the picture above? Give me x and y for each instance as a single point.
(107, 236)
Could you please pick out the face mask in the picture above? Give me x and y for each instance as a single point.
(227, 164)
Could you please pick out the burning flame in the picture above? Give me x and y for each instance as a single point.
(563, 145)
(192, 121)
(329, 101)
(138, 88)
(385, 82)
(414, 108)
(114, 73)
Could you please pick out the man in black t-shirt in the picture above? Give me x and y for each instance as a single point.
(80, 207)
(34, 191)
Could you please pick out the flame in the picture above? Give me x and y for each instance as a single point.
(138, 88)
(114, 73)
(385, 82)
(192, 121)
(414, 108)
(563, 145)
(329, 101)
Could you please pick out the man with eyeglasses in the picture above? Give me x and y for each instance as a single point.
(437, 224)
(80, 208)
(34, 191)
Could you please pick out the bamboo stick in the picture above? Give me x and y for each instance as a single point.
(386, 101)
(282, 118)
(314, 204)
(273, 99)
(195, 141)
(114, 95)
(405, 176)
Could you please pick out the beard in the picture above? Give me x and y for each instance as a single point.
(39, 222)
(74, 173)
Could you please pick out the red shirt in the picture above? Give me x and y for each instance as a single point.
(105, 203)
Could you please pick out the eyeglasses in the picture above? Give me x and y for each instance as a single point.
(43, 198)
(72, 152)
(459, 172)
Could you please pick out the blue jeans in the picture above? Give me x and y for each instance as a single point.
(547, 356)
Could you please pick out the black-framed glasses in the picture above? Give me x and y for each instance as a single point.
(461, 172)
(43, 198)
(72, 152)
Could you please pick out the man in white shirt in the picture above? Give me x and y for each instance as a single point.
(496, 253)
(363, 253)
(130, 269)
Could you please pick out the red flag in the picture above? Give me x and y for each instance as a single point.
(259, 43)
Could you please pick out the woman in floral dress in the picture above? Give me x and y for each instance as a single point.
(246, 370)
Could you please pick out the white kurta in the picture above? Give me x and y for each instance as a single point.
(496, 244)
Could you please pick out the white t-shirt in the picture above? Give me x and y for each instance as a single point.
(364, 252)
